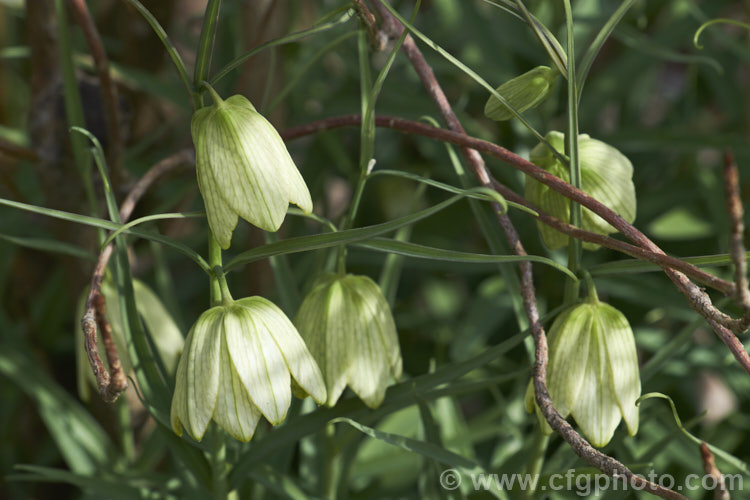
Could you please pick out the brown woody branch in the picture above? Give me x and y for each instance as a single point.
(736, 238)
(709, 466)
(107, 88)
(697, 297)
(413, 127)
(478, 167)
(113, 383)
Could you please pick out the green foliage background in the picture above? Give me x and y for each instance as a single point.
(671, 108)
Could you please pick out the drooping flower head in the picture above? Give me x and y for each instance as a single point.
(238, 364)
(606, 174)
(349, 328)
(244, 168)
(593, 370)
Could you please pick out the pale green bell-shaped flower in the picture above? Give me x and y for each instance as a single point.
(244, 168)
(238, 364)
(349, 328)
(593, 370)
(523, 92)
(606, 174)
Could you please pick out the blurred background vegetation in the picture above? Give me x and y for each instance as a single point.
(671, 108)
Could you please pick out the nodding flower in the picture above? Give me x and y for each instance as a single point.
(244, 168)
(349, 328)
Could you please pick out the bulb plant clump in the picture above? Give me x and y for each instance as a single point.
(378, 335)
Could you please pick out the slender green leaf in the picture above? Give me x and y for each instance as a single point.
(314, 242)
(727, 457)
(46, 245)
(423, 252)
(149, 218)
(171, 49)
(105, 224)
(474, 75)
(83, 444)
(293, 37)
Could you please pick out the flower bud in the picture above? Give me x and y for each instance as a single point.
(238, 364)
(522, 92)
(593, 370)
(350, 331)
(244, 168)
(606, 174)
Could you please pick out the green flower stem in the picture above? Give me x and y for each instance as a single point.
(333, 466)
(214, 260)
(206, 44)
(536, 461)
(576, 247)
(593, 297)
(348, 222)
(214, 95)
(218, 464)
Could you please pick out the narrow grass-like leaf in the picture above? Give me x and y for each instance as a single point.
(47, 245)
(171, 49)
(83, 444)
(301, 70)
(293, 37)
(705, 25)
(596, 45)
(727, 457)
(423, 448)
(473, 74)
(149, 218)
(547, 39)
(632, 266)
(305, 243)
(638, 41)
(486, 194)
(423, 252)
(111, 226)
(109, 487)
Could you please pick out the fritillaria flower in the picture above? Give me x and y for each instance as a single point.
(349, 328)
(606, 174)
(593, 370)
(239, 362)
(244, 168)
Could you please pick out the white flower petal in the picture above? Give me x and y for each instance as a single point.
(202, 372)
(322, 324)
(259, 363)
(301, 364)
(221, 219)
(568, 354)
(179, 412)
(262, 166)
(595, 409)
(622, 360)
(382, 324)
(235, 411)
(369, 369)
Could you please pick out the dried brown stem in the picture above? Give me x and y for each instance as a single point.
(412, 127)
(697, 297)
(478, 167)
(107, 87)
(709, 466)
(377, 38)
(112, 384)
(737, 232)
